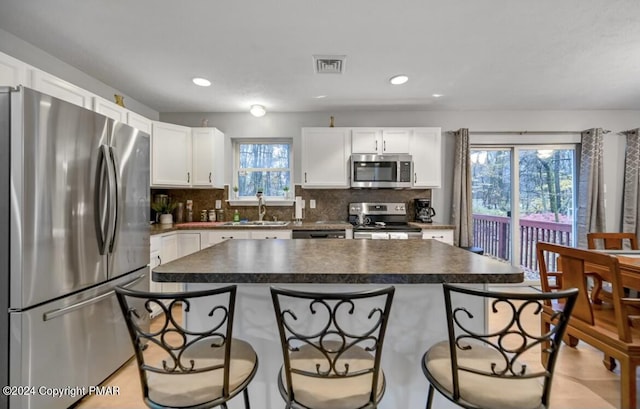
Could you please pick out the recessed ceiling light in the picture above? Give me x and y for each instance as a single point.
(203, 82)
(398, 79)
(257, 110)
(320, 96)
(436, 95)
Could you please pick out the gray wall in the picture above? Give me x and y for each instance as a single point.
(26, 52)
(288, 125)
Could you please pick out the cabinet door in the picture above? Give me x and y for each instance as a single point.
(427, 153)
(395, 140)
(443, 235)
(271, 234)
(13, 72)
(168, 248)
(54, 86)
(325, 157)
(366, 140)
(170, 155)
(188, 243)
(139, 122)
(108, 108)
(154, 261)
(208, 157)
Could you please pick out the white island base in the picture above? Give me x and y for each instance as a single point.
(417, 321)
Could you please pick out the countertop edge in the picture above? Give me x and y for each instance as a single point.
(374, 278)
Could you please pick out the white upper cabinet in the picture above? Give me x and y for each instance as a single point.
(426, 149)
(208, 157)
(170, 155)
(380, 140)
(110, 109)
(325, 157)
(54, 86)
(13, 72)
(139, 122)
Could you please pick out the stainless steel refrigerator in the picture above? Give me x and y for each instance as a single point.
(74, 223)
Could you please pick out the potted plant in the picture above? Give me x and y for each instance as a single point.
(165, 208)
(235, 192)
(285, 189)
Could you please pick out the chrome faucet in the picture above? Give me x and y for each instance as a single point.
(262, 208)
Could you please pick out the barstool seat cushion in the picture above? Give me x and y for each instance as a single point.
(178, 390)
(480, 390)
(333, 393)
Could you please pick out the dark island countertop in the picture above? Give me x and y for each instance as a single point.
(336, 261)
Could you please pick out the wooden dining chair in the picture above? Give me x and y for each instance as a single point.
(332, 347)
(608, 241)
(188, 358)
(604, 326)
(489, 370)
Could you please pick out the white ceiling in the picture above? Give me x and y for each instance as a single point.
(482, 54)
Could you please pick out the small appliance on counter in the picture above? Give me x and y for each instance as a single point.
(424, 211)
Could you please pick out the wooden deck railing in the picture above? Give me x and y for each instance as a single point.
(493, 234)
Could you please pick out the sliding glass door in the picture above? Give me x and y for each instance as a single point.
(522, 195)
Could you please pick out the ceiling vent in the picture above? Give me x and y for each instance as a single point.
(329, 64)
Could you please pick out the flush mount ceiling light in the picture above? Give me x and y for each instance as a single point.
(257, 110)
(436, 95)
(398, 79)
(202, 82)
(320, 96)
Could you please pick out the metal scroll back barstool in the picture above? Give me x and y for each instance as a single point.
(332, 347)
(477, 369)
(187, 357)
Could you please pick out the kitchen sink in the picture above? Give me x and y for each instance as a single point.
(257, 223)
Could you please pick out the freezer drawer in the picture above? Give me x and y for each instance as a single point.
(74, 342)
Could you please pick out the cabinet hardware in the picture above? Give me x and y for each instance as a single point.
(384, 146)
(437, 237)
(305, 177)
(159, 260)
(376, 146)
(415, 178)
(209, 177)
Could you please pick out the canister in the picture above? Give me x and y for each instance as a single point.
(212, 215)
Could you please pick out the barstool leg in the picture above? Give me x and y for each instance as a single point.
(245, 392)
(430, 397)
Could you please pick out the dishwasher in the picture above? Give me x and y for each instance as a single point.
(319, 234)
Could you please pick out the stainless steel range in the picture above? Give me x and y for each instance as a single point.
(381, 221)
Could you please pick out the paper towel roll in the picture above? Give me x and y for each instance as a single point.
(298, 208)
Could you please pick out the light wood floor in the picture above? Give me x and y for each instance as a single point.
(580, 382)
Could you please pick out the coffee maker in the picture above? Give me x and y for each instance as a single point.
(424, 211)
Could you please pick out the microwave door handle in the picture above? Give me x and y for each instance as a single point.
(116, 195)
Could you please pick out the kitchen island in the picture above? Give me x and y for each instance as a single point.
(414, 267)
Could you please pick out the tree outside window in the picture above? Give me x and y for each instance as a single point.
(264, 166)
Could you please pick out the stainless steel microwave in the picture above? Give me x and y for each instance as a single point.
(381, 171)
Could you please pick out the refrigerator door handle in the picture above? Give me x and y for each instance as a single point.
(47, 316)
(101, 203)
(117, 197)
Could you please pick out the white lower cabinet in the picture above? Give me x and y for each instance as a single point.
(271, 234)
(188, 243)
(443, 235)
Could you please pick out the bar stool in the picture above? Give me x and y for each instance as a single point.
(187, 357)
(332, 346)
(474, 369)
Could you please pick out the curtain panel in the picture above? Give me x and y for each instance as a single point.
(461, 212)
(590, 186)
(630, 199)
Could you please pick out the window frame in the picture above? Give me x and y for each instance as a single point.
(236, 167)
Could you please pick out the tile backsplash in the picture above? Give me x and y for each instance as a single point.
(331, 204)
